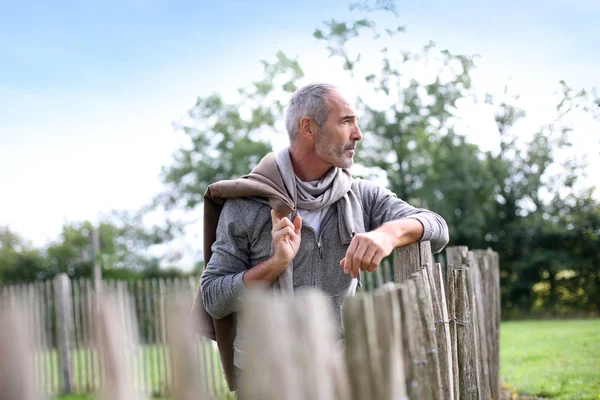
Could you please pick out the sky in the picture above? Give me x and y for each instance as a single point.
(89, 90)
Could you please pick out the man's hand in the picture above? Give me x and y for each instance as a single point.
(286, 242)
(286, 238)
(366, 252)
(368, 249)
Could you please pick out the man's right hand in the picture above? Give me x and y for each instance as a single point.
(286, 242)
(286, 238)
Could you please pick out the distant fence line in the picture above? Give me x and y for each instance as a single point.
(66, 360)
(433, 334)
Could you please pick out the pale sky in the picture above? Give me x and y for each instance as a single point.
(89, 90)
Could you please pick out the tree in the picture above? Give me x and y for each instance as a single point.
(226, 140)
(124, 245)
(19, 262)
(532, 189)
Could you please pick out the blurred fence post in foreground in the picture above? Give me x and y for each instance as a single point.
(17, 353)
(64, 324)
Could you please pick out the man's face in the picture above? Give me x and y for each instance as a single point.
(336, 140)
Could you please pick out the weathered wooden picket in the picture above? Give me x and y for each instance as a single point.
(416, 329)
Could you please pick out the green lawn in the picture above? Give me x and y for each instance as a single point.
(552, 359)
(75, 397)
(82, 397)
(229, 396)
(149, 368)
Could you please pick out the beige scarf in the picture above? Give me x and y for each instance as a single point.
(334, 188)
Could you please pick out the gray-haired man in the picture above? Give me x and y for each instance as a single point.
(300, 219)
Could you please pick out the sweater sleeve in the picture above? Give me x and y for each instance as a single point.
(222, 279)
(381, 206)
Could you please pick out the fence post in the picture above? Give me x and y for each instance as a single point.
(362, 350)
(456, 258)
(115, 342)
(184, 361)
(488, 262)
(497, 315)
(293, 329)
(406, 261)
(444, 341)
(467, 374)
(64, 328)
(414, 371)
(425, 254)
(389, 338)
(451, 294)
(16, 353)
(431, 347)
(419, 340)
(480, 317)
(410, 259)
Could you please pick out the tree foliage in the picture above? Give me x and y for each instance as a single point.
(124, 243)
(226, 140)
(19, 261)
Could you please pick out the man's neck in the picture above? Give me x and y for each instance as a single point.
(307, 165)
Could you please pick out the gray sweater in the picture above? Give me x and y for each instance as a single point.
(244, 240)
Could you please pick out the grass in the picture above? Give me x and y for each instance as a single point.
(88, 397)
(82, 397)
(86, 364)
(75, 397)
(552, 359)
(153, 372)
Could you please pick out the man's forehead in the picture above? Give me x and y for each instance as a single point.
(338, 102)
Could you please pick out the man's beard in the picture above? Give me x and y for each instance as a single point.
(337, 157)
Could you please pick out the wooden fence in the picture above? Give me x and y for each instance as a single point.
(415, 330)
(431, 334)
(62, 316)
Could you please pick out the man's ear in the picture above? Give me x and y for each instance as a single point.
(308, 128)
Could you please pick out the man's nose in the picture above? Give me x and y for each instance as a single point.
(356, 134)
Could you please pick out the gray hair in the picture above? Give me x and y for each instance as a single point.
(308, 101)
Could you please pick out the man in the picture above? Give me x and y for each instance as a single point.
(329, 226)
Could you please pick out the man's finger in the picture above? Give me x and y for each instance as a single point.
(367, 259)
(358, 259)
(377, 258)
(282, 233)
(349, 253)
(284, 223)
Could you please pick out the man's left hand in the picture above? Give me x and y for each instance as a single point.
(366, 252)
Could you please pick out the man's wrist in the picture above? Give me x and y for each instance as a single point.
(278, 264)
(403, 232)
(264, 273)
